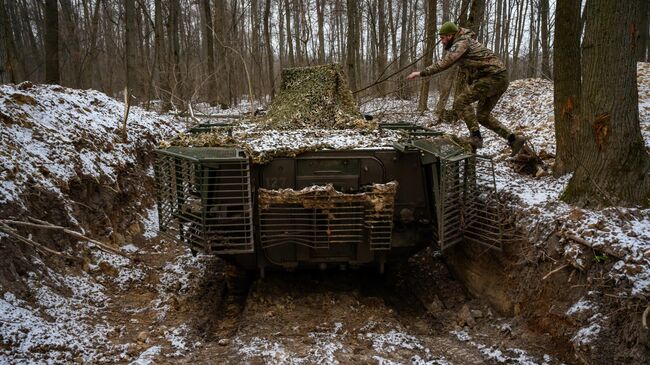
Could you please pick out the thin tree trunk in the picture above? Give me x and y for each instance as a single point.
(546, 64)
(432, 16)
(320, 10)
(612, 166)
(292, 60)
(382, 58)
(269, 47)
(52, 75)
(209, 49)
(352, 43)
(130, 46)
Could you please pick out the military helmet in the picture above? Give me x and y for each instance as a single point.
(448, 28)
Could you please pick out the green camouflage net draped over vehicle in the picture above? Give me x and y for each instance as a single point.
(316, 96)
(313, 110)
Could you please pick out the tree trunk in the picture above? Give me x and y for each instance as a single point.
(297, 31)
(642, 43)
(612, 167)
(269, 47)
(292, 60)
(432, 15)
(352, 43)
(208, 45)
(382, 57)
(174, 51)
(320, 10)
(402, 86)
(52, 75)
(11, 65)
(546, 65)
(220, 25)
(130, 47)
(476, 14)
(567, 73)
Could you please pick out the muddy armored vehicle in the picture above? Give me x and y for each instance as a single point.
(314, 184)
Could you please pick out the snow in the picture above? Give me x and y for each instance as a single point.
(580, 306)
(147, 357)
(150, 222)
(56, 328)
(499, 355)
(586, 335)
(52, 135)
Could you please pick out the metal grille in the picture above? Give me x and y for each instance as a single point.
(379, 225)
(312, 227)
(322, 221)
(204, 198)
(467, 205)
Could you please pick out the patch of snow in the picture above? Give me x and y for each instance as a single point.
(391, 341)
(147, 357)
(270, 351)
(150, 222)
(177, 339)
(580, 306)
(586, 335)
(129, 248)
(52, 134)
(461, 335)
(56, 329)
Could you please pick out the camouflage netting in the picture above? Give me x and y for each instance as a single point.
(316, 96)
(377, 198)
(314, 110)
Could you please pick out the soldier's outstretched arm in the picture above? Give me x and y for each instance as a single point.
(455, 53)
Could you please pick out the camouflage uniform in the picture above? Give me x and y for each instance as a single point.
(487, 80)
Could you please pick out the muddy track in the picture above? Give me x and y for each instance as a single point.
(349, 317)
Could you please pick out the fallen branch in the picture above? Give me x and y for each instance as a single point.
(604, 249)
(11, 232)
(644, 317)
(554, 271)
(46, 225)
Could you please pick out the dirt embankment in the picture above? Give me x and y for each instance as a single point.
(585, 316)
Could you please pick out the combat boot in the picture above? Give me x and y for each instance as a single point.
(516, 142)
(475, 140)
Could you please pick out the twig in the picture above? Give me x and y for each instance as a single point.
(554, 271)
(46, 225)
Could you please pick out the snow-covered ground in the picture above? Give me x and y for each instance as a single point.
(51, 135)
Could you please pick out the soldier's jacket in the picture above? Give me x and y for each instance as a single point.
(473, 58)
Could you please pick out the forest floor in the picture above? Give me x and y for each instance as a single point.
(63, 161)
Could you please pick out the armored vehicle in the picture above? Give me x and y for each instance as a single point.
(314, 184)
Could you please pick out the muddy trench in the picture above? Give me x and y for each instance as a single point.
(470, 305)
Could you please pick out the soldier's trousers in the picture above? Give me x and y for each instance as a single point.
(487, 91)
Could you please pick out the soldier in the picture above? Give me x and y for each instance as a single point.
(487, 80)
